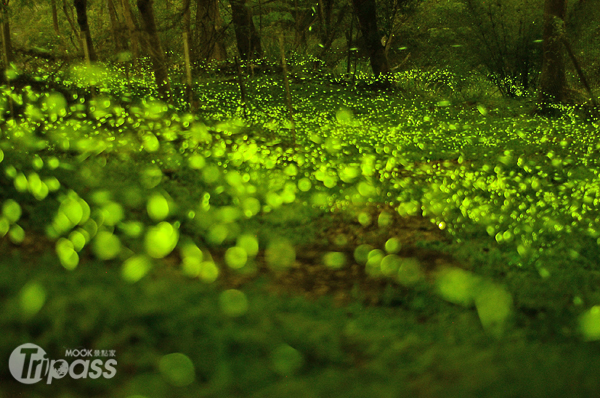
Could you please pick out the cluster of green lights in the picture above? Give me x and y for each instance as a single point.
(455, 172)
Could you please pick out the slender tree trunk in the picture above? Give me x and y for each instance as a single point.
(367, 18)
(186, 55)
(325, 14)
(242, 85)
(302, 20)
(76, 43)
(82, 21)
(187, 20)
(63, 44)
(553, 83)
(7, 53)
(69, 17)
(209, 44)
(115, 27)
(332, 32)
(55, 18)
(288, 92)
(132, 27)
(248, 41)
(155, 49)
(349, 39)
(6, 42)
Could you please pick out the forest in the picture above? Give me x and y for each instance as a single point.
(299, 198)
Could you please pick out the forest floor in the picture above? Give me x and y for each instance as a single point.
(376, 297)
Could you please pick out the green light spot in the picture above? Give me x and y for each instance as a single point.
(161, 240)
(4, 226)
(249, 243)
(151, 177)
(335, 260)
(177, 369)
(11, 211)
(273, 200)
(233, 303)
(20, 182)
(217, 234)
(384, 219)
(457, 286)
(68, 257)
(51, 184)
(304, 184)
(196, 162)
(37, 162)
(291, 170)
(361, 253)
(106, 245)
(135, 268)
(286, 360)
(393, 245)
(589, 324)
(319, 199)
(494, 307)
(55, 103)
(132, 229)
(236, 257)
(211, 174)
(78, 239)
(190, 250)
(16, 234)
(113, 213)
(364, 219)
(209, 272)
(251, 207)
(150, 143)
(72, 209)
(191, 266)
(53, 163)
(31, 299)
(409, 272)
(344, 116)
(374, 258)
(158, 207)
(280, 254)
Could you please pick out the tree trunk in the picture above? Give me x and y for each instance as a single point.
(332, 33)
(115, 27)
(302, 20)
(553, 83)
(157, 55)
(76, 43)
(209, 44)
(63, 45)
(325, 14)
(82, 21)
(55, 18)
(6, 42)
(133, 30)
(367, 18)
(248, 42)
(186, 56)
